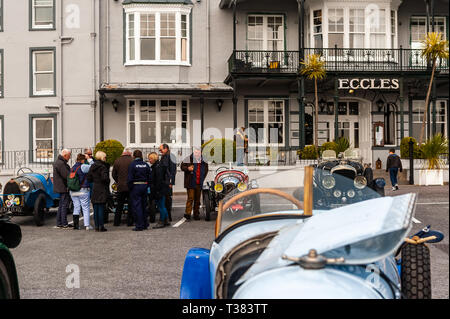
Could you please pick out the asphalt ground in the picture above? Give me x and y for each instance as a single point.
(121, 263)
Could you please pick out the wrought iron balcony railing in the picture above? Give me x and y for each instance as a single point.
(336, 59)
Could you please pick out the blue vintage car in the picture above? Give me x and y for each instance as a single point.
(28, 194)
(360, 250)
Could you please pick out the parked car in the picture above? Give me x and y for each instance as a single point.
(358, 250)
(28, 194)
(10, 237)
(227, 180)
(358, 184)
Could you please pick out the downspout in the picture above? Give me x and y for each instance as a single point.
(61, 30)
(107, 41)
(208, 43)
(94, 71)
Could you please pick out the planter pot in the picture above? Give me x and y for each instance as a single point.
(429, 177)
(418, 163)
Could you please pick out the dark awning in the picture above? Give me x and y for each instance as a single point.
(157, 1)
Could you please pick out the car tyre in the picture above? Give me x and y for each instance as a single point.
(415, 272)
(39, 210)
(6, 288)
(207, 207)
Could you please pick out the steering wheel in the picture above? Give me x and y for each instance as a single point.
(222, 208)
(22, 170)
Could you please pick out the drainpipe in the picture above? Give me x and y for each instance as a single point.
(208, 42)
(61, 31)
(107, 41)
(94, 67)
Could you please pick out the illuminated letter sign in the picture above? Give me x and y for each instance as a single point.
(369, 84)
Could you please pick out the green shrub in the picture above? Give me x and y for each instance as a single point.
(309, 152)
(219, 151)
(342, 144)
(404, 148)
(112, 148)
(328, 146)
(433, 149)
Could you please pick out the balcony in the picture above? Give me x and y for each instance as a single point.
(337, 60)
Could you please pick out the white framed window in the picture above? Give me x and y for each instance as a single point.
(1, 138)
(266, 121)
(265, 32)
(42, 14)
(335, 28)
(152, 121)
(418, 110)
(419, 29)
(353, 26)
(157, 35)
(43, 135)
(43, 72)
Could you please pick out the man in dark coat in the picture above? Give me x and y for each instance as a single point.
(195, 170)
(159, 187)
(393, 165)
(138, 182)
(169, 163)
(120, 176)
(60, 172)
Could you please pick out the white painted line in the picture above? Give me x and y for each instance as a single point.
(416, 221)
(178, 224)
(435, 203)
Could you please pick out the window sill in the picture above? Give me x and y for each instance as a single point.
(49, 94)
(156, 63)
(50, 28)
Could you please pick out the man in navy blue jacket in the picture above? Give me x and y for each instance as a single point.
(139, 174)
(393, 165)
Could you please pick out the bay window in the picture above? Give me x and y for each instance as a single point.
(357, 28)
(335, 28)
(155, 121)
(157, 36)
(377, 29)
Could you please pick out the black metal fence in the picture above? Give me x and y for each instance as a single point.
(336, 59)
(43, 159)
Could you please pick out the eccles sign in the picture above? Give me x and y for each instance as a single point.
(369, 84)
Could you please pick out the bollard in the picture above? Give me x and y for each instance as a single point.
(411, 162)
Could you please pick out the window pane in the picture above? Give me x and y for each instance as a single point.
(183, 49)
(168, 132)
(132, 133)
(356, 40)
(378, 41)
(147, 49)
(336, 39)
(148, 132)
(43, 16)
(132, 49)
(44, 128)
(44, 82)
(168, 49)
(276, 133)
(44, 61)
(44, 145)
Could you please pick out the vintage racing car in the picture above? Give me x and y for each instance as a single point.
(290, 250)
(358, 183)
(28, 194)
(10, 237)
(227, 180)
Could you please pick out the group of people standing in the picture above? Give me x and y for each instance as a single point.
(146, 187)
(93, 187)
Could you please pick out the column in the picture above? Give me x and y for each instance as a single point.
(202, 117)
(336, 118)
(301, 106)
(402, 117)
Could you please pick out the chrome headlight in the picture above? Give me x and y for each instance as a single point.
(24, 186)
(218, 188)
(328, 182)
(242, 187)
(351, 193)
(337, 193)
(360, 182)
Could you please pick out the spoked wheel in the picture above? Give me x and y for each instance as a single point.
(416, 273)
(207, 205)
(39, 210)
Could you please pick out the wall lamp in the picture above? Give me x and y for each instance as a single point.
(115, 104)
(380, 105)
(219, 103)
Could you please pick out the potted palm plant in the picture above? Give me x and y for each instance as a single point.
(435, 49)
(433, 152)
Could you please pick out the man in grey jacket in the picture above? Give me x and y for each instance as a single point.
(60, 172)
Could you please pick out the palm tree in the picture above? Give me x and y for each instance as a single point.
(313, 67)
(435, 47)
